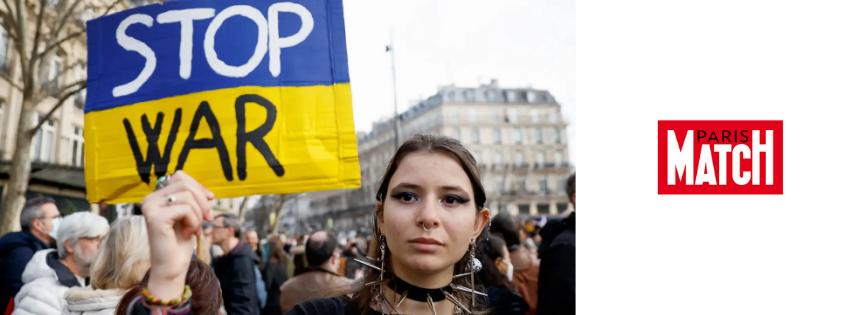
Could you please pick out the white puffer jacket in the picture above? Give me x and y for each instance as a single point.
(42, 293)
(85, 301)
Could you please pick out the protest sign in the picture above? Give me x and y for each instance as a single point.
(247, 97)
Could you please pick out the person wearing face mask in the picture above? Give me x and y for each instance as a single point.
(496, 274)
(52, 272)
(40, 220)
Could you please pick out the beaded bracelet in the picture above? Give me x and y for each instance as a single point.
(151, 300)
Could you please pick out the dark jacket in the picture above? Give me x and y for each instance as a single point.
(504, 301)
(16, 250)
(238, 281)
(274, 275)
(557, 289)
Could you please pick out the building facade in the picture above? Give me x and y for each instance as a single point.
(516, 135)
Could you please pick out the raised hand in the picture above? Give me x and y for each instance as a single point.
(173, 215)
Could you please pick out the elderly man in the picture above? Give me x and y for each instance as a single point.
(39, 219)
(50, 272)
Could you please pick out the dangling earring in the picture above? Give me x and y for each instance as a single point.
(474, 266)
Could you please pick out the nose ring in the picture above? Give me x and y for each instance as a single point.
(430, 229)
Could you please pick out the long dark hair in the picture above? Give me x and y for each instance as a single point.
(490, 250)
(206, 295)
(363, 297)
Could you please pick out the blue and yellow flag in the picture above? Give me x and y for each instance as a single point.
(247, 97)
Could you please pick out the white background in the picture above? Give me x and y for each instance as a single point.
(643, 253)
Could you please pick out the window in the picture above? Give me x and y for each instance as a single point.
(478, 156)
(540, 159)
(77, 147)
(453, 115)
(523, 209)
(520, 184)
(543, 208)
(557, 135)
(554, 115)
(469, 96)
(561, 207)
(489, 96)
(494, 115)
(559, 159)
(4, 50)
(542, 185)
(511, 96)
(80, 97)
(561, 186)
(497, 136)
(503, 207)
(497, 157)
(500, 185)
(451, 96)
(534, 114)
(536, 135)
(516, 136)
(518, 158)
(42, 147)
(471, 115)
(512, 115)
(530, 96)
(474, 135)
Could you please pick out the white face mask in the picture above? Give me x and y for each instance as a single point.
(55, 222)
(510, 272)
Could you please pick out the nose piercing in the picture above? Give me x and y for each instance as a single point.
(430, 229)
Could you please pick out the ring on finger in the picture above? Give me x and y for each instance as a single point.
(171, 199)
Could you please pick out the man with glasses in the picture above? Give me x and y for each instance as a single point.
(51, 272)
(39, 223)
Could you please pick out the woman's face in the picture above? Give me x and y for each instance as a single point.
(430, 189)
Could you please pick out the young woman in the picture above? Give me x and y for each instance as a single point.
(274, 275)
(496, 274)
(428, 219)
(120, 263)
(429, 216)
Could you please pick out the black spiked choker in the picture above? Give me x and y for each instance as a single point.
(407, 290)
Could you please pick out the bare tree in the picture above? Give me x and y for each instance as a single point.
(40, 31)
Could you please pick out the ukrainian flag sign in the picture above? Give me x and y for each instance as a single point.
(247, 97)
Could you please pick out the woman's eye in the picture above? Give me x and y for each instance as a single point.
(454, 200)
(406, 197)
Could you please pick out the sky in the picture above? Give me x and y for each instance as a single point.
(529, 43)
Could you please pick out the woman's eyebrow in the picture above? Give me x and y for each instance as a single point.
(406, 185)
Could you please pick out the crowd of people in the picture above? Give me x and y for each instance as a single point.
(435, 249)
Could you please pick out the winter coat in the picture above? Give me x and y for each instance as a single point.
(274, 275)
(311, 284)
(45, 281)
(16, 250)
(526, 273)
(504, 301)
(557, 289)
(238, 281)
(85, 301)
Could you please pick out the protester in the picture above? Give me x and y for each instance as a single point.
(274, 275)
(526, 264)
(206, 296)
(429, 215)
(557, 290)
(299, 260)
(236, 269)
(39, 222)
(253, 240)
(121, 262)
(354, 250)
(320, 278)
(174, 214)
(496, 275)
(50, 272)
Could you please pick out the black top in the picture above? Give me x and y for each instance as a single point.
(238, 281)
(274, 275)
(16, 250)
(557, 290)
(504, 301)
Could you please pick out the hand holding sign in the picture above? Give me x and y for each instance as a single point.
(173, 215)
(189, 85)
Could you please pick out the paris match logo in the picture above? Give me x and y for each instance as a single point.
(720, 157)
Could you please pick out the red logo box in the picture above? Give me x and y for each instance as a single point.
(720, 157)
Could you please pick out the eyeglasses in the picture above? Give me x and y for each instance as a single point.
(95, 240)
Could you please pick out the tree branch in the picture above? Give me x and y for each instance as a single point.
(9, 79)
(56, 44)
(62, 21)
(38, 23)
(112, 6)
(80, 86)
